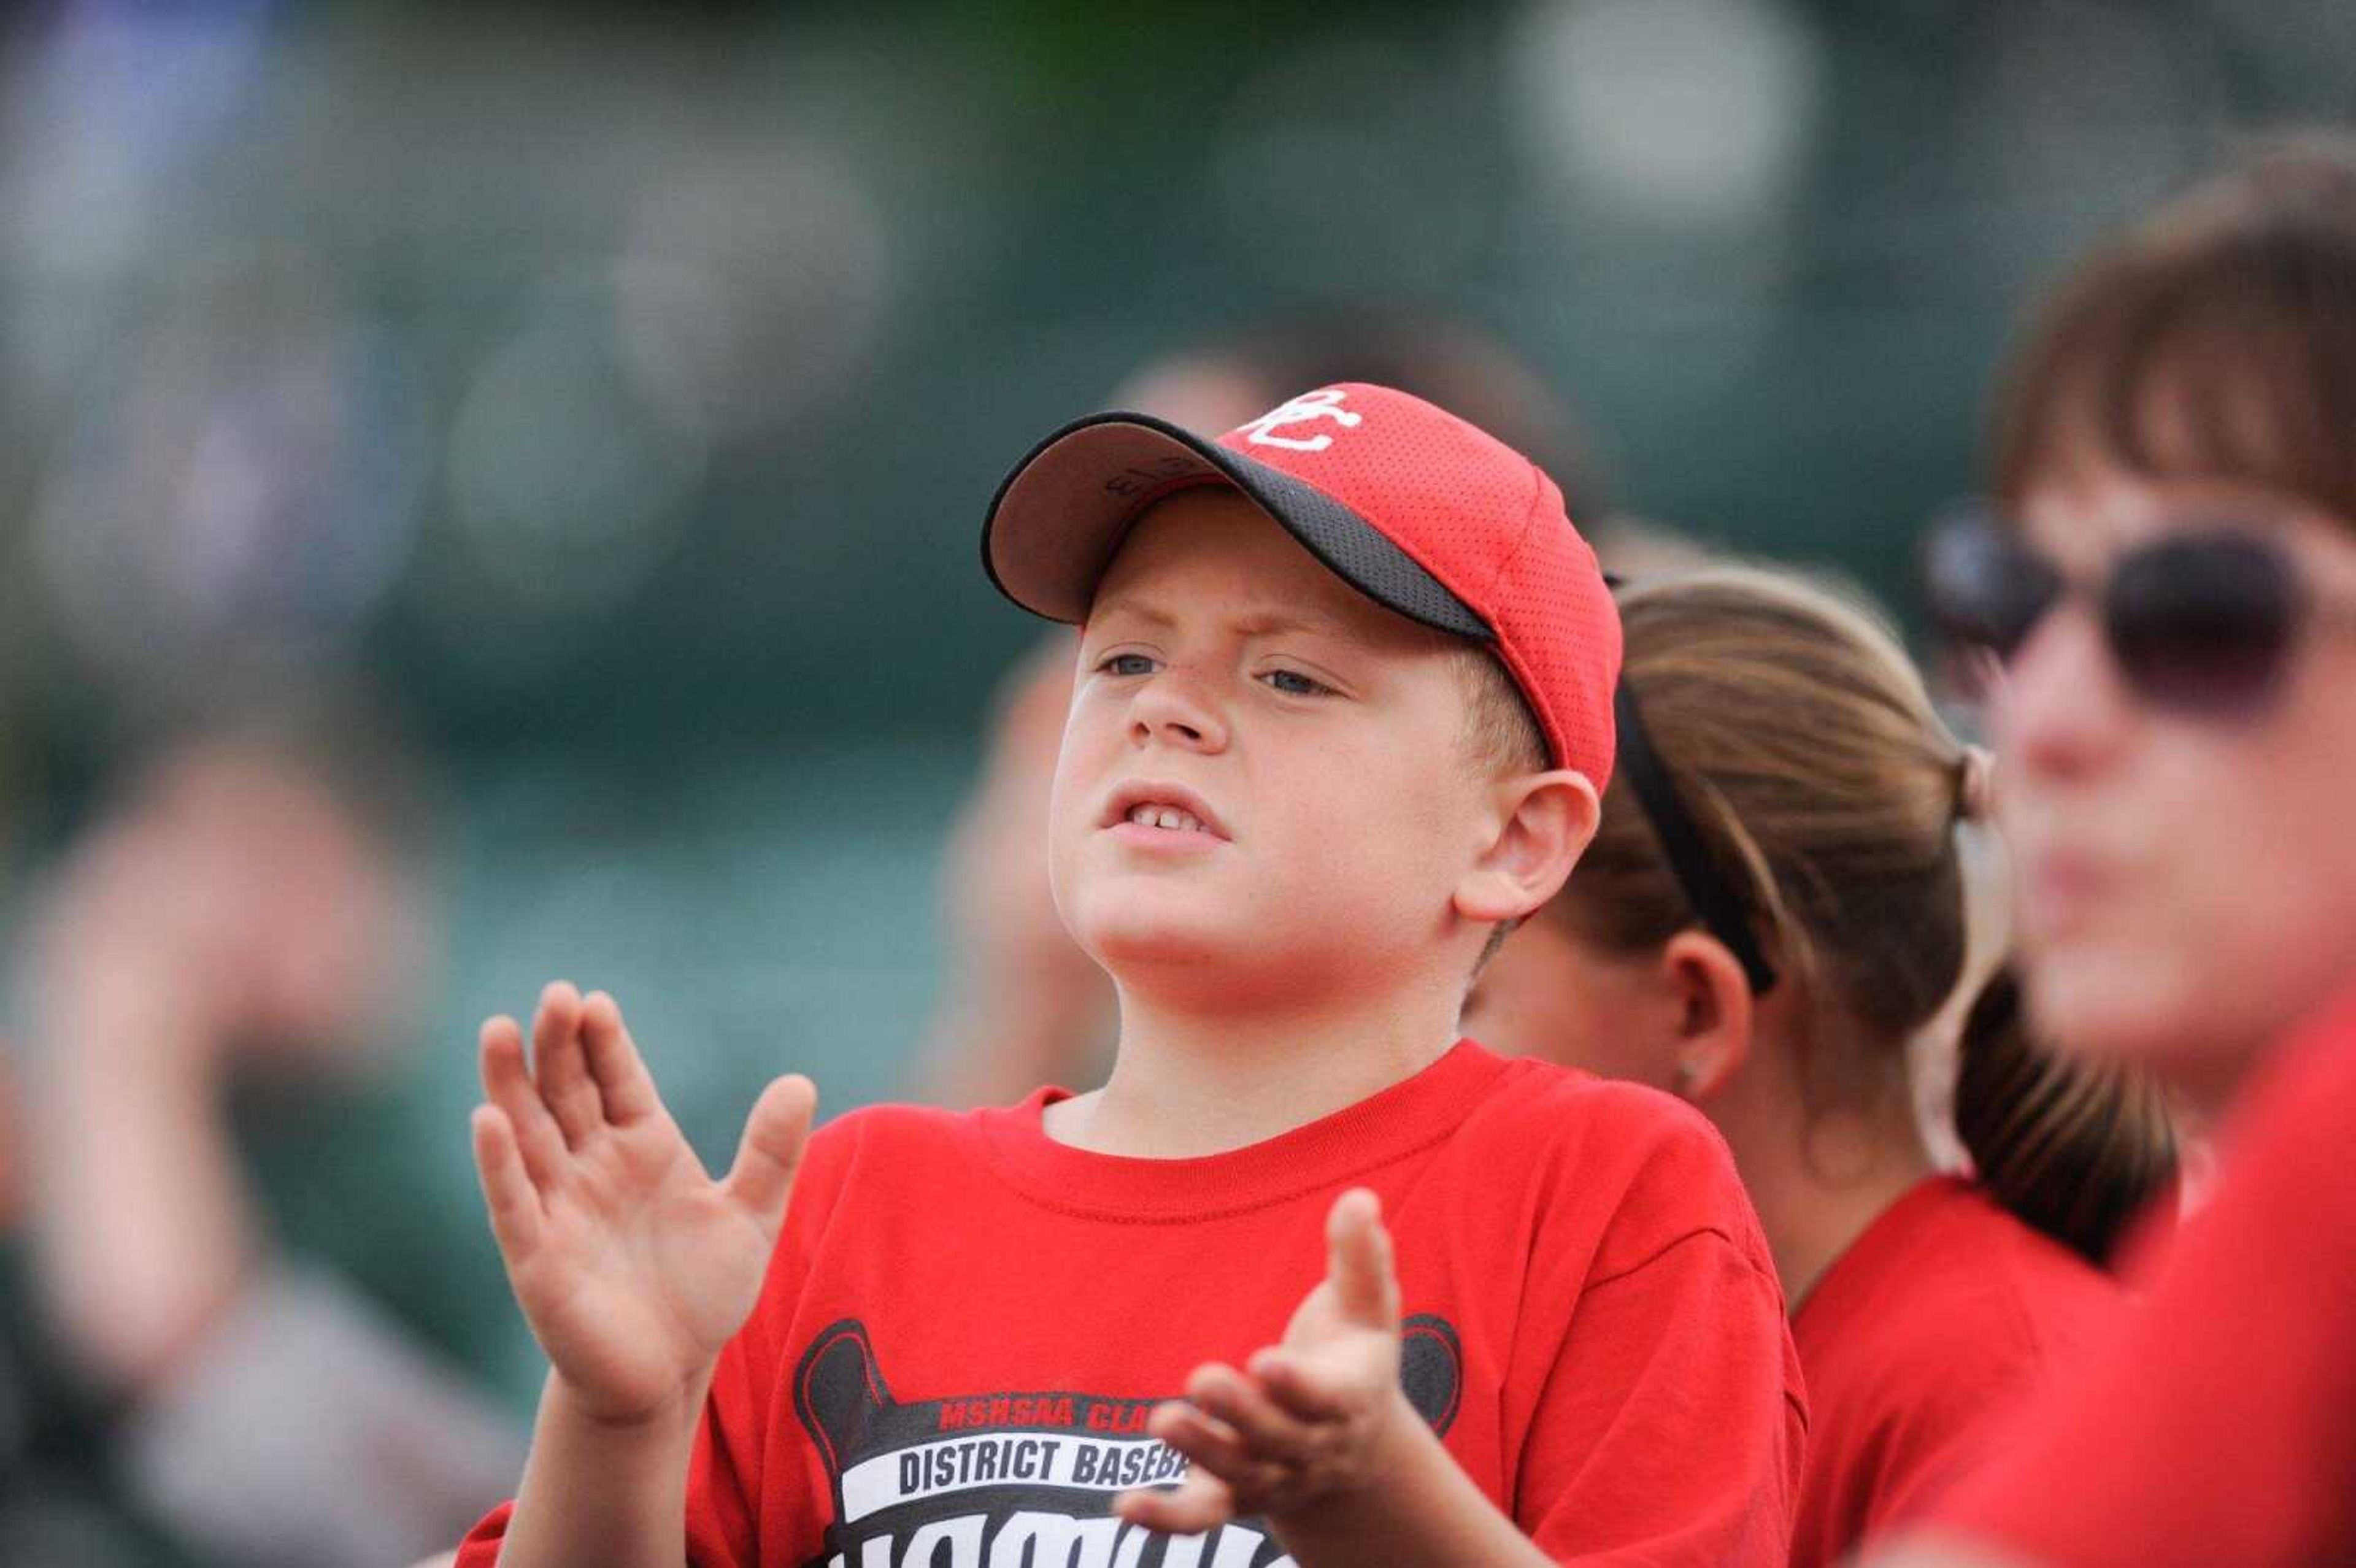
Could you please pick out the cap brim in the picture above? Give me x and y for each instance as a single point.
(1060, 516)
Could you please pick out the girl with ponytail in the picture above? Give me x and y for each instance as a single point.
(1776, 904)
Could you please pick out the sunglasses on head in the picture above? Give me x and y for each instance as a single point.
(2201, 621)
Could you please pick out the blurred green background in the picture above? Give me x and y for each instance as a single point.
(614, 392)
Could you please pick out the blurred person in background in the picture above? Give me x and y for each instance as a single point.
(1021, 1004)
(244, 909)
(2169, 601)
(1775, 904)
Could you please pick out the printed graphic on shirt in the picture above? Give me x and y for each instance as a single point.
(1025, 1481)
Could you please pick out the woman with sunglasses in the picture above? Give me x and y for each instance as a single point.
(2172, 609)
(1774, 906)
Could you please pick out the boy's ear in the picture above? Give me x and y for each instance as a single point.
(1714, 1013)
(1543, 824)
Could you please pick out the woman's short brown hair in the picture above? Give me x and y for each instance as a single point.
(2215, 340)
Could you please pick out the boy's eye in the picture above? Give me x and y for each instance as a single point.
(1127, 664)
(1293, 683)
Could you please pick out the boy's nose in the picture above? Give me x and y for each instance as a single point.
(1168, 708)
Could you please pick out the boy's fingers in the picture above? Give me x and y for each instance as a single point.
(1268, 1432)
(507, 1084)
(762, 1177)
(559, 1066)
(507, 1192)
(1204, 1438)
(1293, 1389)
(627, 1089)
(1358, 1260)
(1200, 1502)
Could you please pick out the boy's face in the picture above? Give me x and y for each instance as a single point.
(1307, 747)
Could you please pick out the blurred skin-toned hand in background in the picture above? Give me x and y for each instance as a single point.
(231, 910)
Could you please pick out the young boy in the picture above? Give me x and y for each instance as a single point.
(1343, 711)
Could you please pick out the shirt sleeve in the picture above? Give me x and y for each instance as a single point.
(1668, 1428)
(481, 1547)
(2236, 1383)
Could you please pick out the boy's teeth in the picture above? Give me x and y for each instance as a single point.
(1164, 817)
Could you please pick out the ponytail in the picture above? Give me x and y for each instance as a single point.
(2072, 1148)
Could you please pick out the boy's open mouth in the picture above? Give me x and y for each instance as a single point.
(1164, 807)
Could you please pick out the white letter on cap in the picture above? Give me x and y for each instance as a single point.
(1307, 409)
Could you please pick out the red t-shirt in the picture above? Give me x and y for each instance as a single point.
(2223, 1427)
(1944, 1312)
(966, 1322)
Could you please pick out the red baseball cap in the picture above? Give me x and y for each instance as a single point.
(1419, 511)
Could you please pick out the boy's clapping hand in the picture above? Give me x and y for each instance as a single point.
(632, 1265)
(1310, 1422)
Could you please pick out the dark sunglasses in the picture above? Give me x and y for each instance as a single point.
(2200, 621)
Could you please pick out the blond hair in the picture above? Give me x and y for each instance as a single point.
(1500, 735)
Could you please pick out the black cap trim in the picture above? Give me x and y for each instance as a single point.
(1344, 542)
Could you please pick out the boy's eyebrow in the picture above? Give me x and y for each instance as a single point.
(1119, 607)
(1273, 622)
